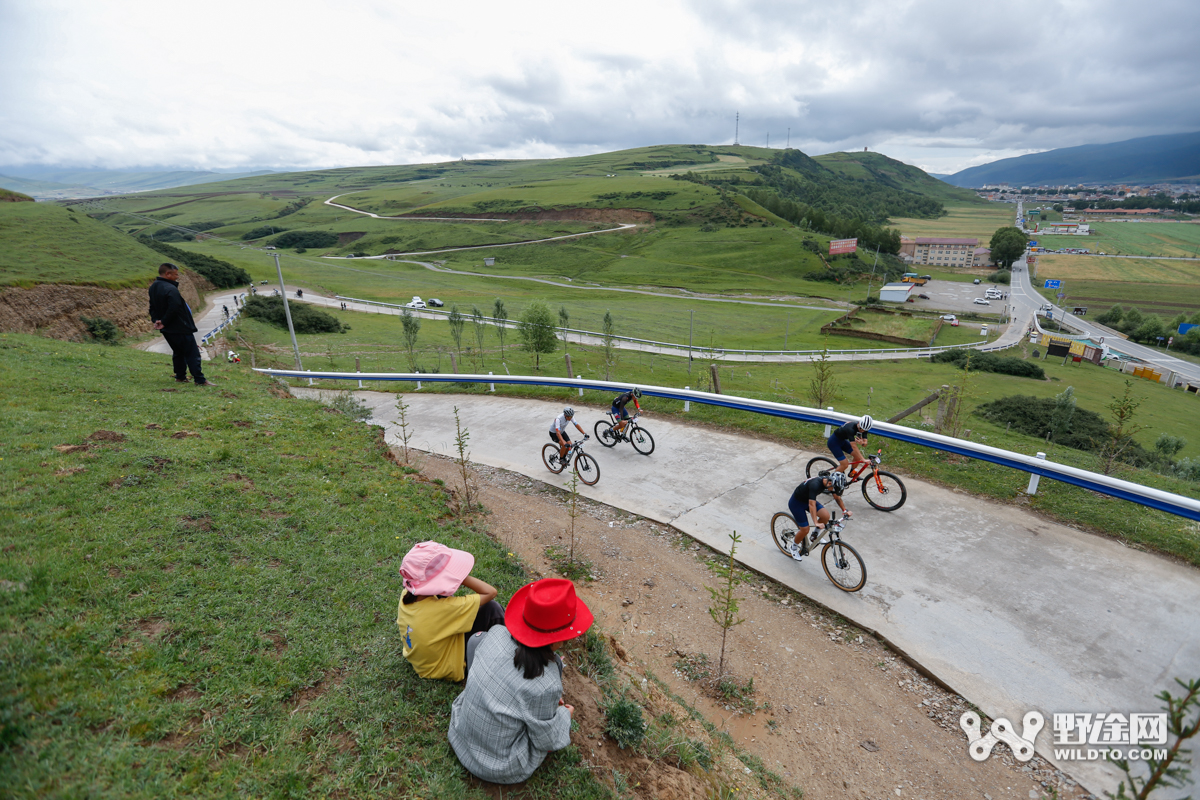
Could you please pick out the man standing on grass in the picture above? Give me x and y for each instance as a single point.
(173, 318)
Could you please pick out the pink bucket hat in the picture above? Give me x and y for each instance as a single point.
(432, 568)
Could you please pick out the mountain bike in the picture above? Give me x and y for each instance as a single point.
(843, 565)
(880, 488)
(585, 466)
(608, 435)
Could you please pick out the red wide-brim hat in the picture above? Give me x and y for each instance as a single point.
(545, 612)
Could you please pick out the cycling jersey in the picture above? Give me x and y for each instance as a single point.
(561, 423)
(849, 432)
(619, 403)
(798, 502)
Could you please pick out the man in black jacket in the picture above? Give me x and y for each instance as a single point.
(172, 317)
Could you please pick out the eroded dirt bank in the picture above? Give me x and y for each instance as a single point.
(54, 309)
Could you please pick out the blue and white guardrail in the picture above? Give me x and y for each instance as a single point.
(1114, 487)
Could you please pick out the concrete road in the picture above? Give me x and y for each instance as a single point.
(1014, 612)
(207, 319)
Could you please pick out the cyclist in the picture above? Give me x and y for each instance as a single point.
(849, 437)
(618, 408)
(803, 503)
(558, 431)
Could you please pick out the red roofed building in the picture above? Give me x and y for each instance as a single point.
(948, 252)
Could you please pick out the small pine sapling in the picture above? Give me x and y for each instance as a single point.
(724, 609)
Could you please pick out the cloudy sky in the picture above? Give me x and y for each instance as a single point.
(941, 84)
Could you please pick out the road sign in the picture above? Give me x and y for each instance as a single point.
(1079, 311)
(1060, 295)
(1053, 285)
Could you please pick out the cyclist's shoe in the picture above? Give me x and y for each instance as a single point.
(799, 551)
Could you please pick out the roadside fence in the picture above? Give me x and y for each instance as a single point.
(1093, 481)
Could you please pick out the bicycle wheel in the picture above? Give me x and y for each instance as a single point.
(556, 466)
(605, 434)
(783, 532)
(884, 491)
(843, 566)
(819, 464)
(587, 469)
(642, 441)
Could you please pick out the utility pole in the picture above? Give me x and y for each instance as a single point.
(786, 324)
(287, 311)
(789, 141)
(872, 278)
(737, 120)
(691, 319)
(768, 141)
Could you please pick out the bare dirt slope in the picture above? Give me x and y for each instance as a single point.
(835, 712)
(54, 309)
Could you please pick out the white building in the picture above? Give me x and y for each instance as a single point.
(896, 292)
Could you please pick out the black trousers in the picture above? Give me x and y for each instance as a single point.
(185, 355)
(489, 615)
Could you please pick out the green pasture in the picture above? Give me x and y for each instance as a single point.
(45, 243)
(962, 221)
(1144, 238)
(1152, 285)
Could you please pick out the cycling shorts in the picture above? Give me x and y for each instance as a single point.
(554, 438)
(836, 446)
(620, 413)
(799, 511)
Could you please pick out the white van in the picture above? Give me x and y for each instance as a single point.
(416, 302)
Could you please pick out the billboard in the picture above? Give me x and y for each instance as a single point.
(1184, 328)
(1052, 285)
(1079, 311)
(843, 246)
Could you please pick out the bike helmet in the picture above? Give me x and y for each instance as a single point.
(865, 423)
(839, 481)
(637, 392)
(568, 412)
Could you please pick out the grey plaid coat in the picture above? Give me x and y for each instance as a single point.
(502, 725)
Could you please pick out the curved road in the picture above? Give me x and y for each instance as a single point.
(1013, 612)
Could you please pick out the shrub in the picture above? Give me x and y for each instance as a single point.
(221, 274)
(1000, 276)
(351, 406)
(101, 329)
(305, 318)
(261, 231)
(1034, 416)
(990, 362)
(306, 239)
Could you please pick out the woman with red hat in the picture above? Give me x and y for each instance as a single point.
(512, 712)
(435, 624)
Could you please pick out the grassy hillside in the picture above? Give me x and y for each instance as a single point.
(962, 220)
(880, 168)
(43, 243)
(199, 596)
(7, 196)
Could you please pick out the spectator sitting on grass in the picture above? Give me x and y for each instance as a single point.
(512, 713)
(434, 623)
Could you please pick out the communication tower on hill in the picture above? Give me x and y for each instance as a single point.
(737, 118)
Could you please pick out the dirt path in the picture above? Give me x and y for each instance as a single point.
(836, 713)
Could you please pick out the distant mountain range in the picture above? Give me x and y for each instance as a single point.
(1149, 159)
(60, 183)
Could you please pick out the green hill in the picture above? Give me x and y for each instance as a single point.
(44, 243)
(890, 172)
(8, 196)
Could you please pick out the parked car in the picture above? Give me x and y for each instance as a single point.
(435, 303)
(979, 301)
(949, 318)
(927, 277)
(923, 296)
(976, 281)
(416, 302)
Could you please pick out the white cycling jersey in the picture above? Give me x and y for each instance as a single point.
(560, 424)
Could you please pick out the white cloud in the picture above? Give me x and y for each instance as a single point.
(316, 83)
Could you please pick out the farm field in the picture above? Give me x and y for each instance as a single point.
(1152, 285)
(1144, 238)
(962, 221)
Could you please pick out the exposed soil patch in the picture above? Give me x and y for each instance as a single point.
(197, 523)
(105, 436)
(71, 448)
(67, 471)
(185, 435)
(303, 698)
(835, 712)
(278, 641)
(350, 236)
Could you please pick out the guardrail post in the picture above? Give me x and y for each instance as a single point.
(579, 378)
(828, 428)
(491, 386)
(687, 404)
(418, 386)
(1033, 478)
(716, 377)
(358, 368)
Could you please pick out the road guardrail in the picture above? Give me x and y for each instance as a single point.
(1104, 484)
